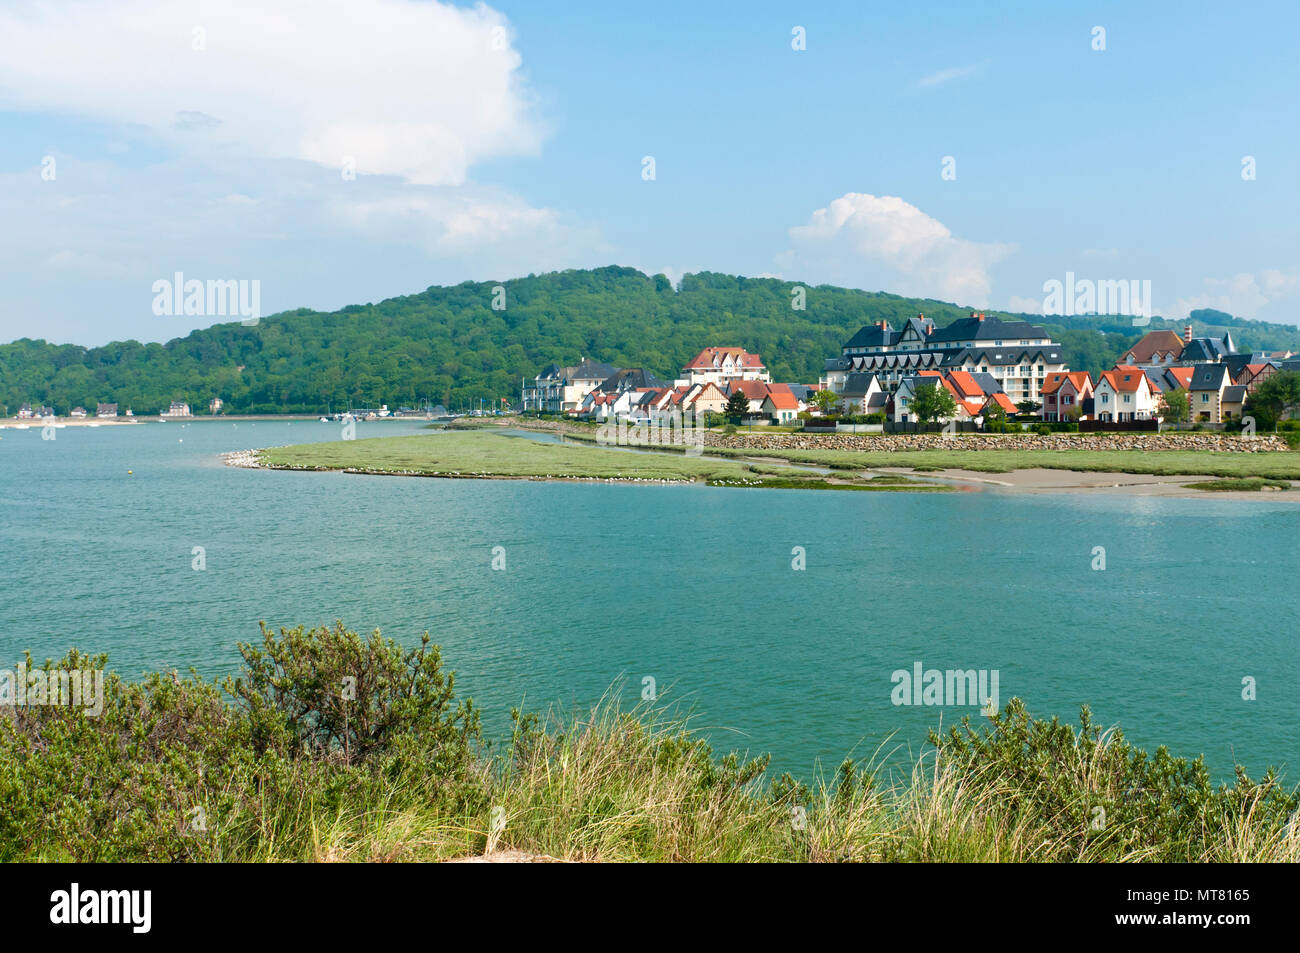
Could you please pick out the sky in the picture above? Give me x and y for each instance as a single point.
(345, 151)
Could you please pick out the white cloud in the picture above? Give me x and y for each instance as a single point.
(948, 75)
(421, 90)
(257, 126)
(461, 222)
(1021, 305)
(1245, 294)
(884, 242)
(79, 254)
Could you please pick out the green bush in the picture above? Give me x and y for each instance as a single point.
(1161, 807)
(171, 761)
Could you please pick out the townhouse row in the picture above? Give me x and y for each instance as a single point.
(1216, 377)
(592, 390)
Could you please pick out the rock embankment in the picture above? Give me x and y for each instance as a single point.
(758, 440)
(243, 458)
(1219, 442)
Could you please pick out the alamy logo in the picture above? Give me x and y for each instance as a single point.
(954, 687)
(213, 298)
(80, 688)
(134, 907)
(1085, 296)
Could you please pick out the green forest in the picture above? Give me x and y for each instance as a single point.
(450, 346)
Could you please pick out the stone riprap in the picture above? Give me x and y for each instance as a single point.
(1219, 442)
(757, 440)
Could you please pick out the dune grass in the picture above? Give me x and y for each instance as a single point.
(282, 764)
(1248, 483)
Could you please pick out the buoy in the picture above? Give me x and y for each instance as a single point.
(129, 472)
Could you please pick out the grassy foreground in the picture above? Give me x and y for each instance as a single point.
(331, 746)
(476, 453)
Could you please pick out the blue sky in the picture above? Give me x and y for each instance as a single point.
(497, 140)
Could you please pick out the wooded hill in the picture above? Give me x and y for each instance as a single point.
(449, 345)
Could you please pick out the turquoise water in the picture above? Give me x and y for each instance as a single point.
(692, 586)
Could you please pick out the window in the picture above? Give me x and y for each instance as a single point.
(1128, 398)
(1105, 398)
(1205, 398)
(1067, 400)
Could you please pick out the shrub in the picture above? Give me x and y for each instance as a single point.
(171, 769)
(1157, 807)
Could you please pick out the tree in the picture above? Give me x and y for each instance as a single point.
(994, 411)
(1027, 406)
(737, 405)
(930, 402)
(825, 400)
(1175, 406)
(1275, 399)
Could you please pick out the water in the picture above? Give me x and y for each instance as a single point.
(689, 585)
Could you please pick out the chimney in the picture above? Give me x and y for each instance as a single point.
(980, 316)
(1187, 334)
(929, 329)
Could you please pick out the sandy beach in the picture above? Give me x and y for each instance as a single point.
(1039, 480)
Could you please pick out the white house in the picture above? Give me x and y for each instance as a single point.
(723, 365)
(1124, 393)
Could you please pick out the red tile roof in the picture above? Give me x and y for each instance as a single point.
(1078, 379)
(705, 359)
(1003, 401)
(754, 390)
(782, 397)
(965, 384)
(1154, 341)
(1124, 377)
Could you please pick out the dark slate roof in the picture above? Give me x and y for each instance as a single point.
(988, 383)
(1199, 350)
(990, 329)
(801, 391)
(1003, 355)
(857, 385)
(877, 401)
(1159, 381)
(1208, 376)
(1234, 394)
(590, 371)
(921, 325)
(915, 382)
(1236, 363)
(838, 364)
(873, 335)
(1289, 366)
(629, 379)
